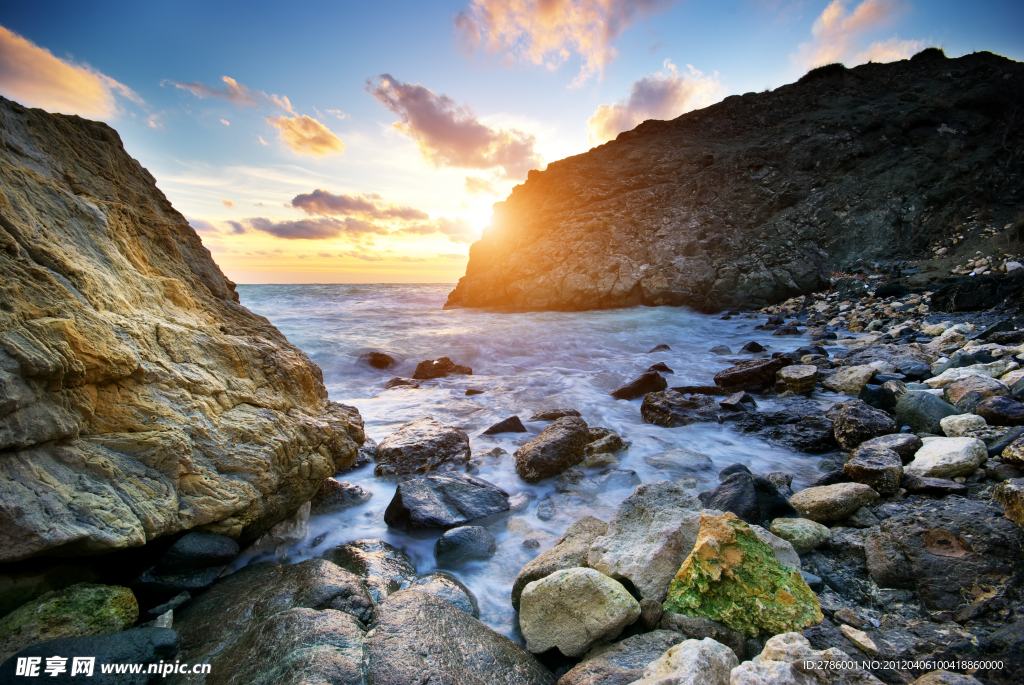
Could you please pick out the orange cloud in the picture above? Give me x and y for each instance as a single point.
(228, 203)
(304, 135)
(547, 31)
(655, 96)
(838, 33)
(236, 93)
(476, 185)
(34, 77)
(451, 135)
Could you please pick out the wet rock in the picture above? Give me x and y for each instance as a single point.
(419, 638)
(959, 424)
(135, 646)
(444, 501)
(923, 412)
(334, 496)
(983, 385)
(420, 446)
(798, 426)
(1014, 452)
(948, 458)
(449, 588)
(660, 366)
(1010, 494)
(383, 567)
(878, 396)
(378, 360)
(474, 391)
(660, 348)
(903, 444)
(849, 380)
(700, 627)
(671, 409)
(752, 498)
(829, 503)
(439, 368)
(862, 518)
(783, 483)
(680, 463)
(712, 390)
(788, 657)
(799, 378)
(738, 401)
(720, 350)
(857, 422)
(1001, 411)
(754, 375)
(621, 663)
(77, 611)
(510, 425)
(617, 479)
(573, 610)
(752, 347)
(608, 444)
(152, 587)
(803, 534)
(197, 550)
(560, 446)
(692, 662)
(649, 381)
(399, 382)
(1001, 472)
(878, 468)
(731, 576)
(570, 551)
(648, 537)
(575, 481)
(465, 543)
(932, 486)
(830, 477)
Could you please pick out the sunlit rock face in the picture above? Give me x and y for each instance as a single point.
(137, 396)
(758, 198)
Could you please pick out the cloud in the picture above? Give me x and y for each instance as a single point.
(546, 32)
(337, 113)
(323, 202)
(304, 135)
(365, 256)
(200, 226)
(457, 231)
(225, 122)
(228, 203)
(661, 95)
(236, 93)
(262, 142)
(35, 77)
(319, 228)
(452, 255)
(476, 185)
(837, 34)
(451, 135)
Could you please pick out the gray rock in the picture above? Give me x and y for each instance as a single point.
(197, 550)
(420, 446)
(984, 386)
(879, 468)
(570, 551)
(679, 463)
(786, 658)
(553, 414)
(948, 458)
(575, 481)
(830, 503)
(623, 662)
(449, 588)
(903, 444)
(444, 501)
(857, 422)
(700, 627)
(462, 544)
(1001, 411)
(692, 662)
(418, 638)
(560, 446)
(334, 496)
(384, 568)
(721, 350)
(923, 411)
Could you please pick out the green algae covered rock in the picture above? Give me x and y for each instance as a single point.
(733, 577)
(76, 611)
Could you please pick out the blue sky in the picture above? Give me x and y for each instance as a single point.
(403, 203)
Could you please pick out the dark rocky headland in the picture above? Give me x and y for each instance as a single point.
(152, 428)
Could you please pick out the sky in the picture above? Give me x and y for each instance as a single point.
(336, 142)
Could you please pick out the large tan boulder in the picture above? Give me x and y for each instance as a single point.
(139, 397)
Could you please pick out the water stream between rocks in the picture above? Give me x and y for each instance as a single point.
(524, 362)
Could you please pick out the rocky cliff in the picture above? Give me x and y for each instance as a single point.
(138, 398)
(758, 198)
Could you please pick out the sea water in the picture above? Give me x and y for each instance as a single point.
(524, 362)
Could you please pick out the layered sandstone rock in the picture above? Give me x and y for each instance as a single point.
(757, 198)
(138, 398)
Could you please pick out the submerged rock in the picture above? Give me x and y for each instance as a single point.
(553, 414)
(449, 588)
(671, 409)
(334, 496)
(560, 446)
(378, 360)
(420, 446)
(439, 368)
(731, 576)
(462, 544)
(510, 425)
(444, 501)
(570, 551)
(384, 568)
(649, 381)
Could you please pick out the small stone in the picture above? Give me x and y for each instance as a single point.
(420, 446)
(955, 426)
(803, 534)
(856, 422)
(878, 468)
(692, 662)
(649, 381)
(1010, 493)
(439, 368)
(465, 543)
(1014, 452)
(560, 446)
(800, 378)
(752, 347)
(378, 360)
(860, 639)
(1001, 411)
(903, 444)
(755, 375)
(828, 503)
(948, 458)
(849, 380)
(510, 425)
(932, 486)
(659, 348)
(553, 414)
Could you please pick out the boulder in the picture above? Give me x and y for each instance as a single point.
(948, 458)
(77, 611)
(649, 381)
(857, 422)
(799, 378)
(334, 496)
(789, 658)
(681, 463)
(803, 534)
(878, 468)
(923, 412)
(418, 638)
(573, 610)
(671, 409)
(439, 368)
(560, 446)
(449, 588)
(623, 662)
(378, 360)
(553, 414)
(849, 380)
(731, 576)
(753, 375)
(752, 498)
(444, 501)
(692, 662)
(985, 386)
(903, 444)
(752, 347)
(383, 568)
(570, 551)
(1001, 411)
(462, 544)
(510, 425)
(1010, 493)
(420, 446)
(648, 537)
(957, 425)
(829, 503)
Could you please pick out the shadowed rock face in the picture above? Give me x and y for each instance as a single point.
(757, 198)
(138, 398)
